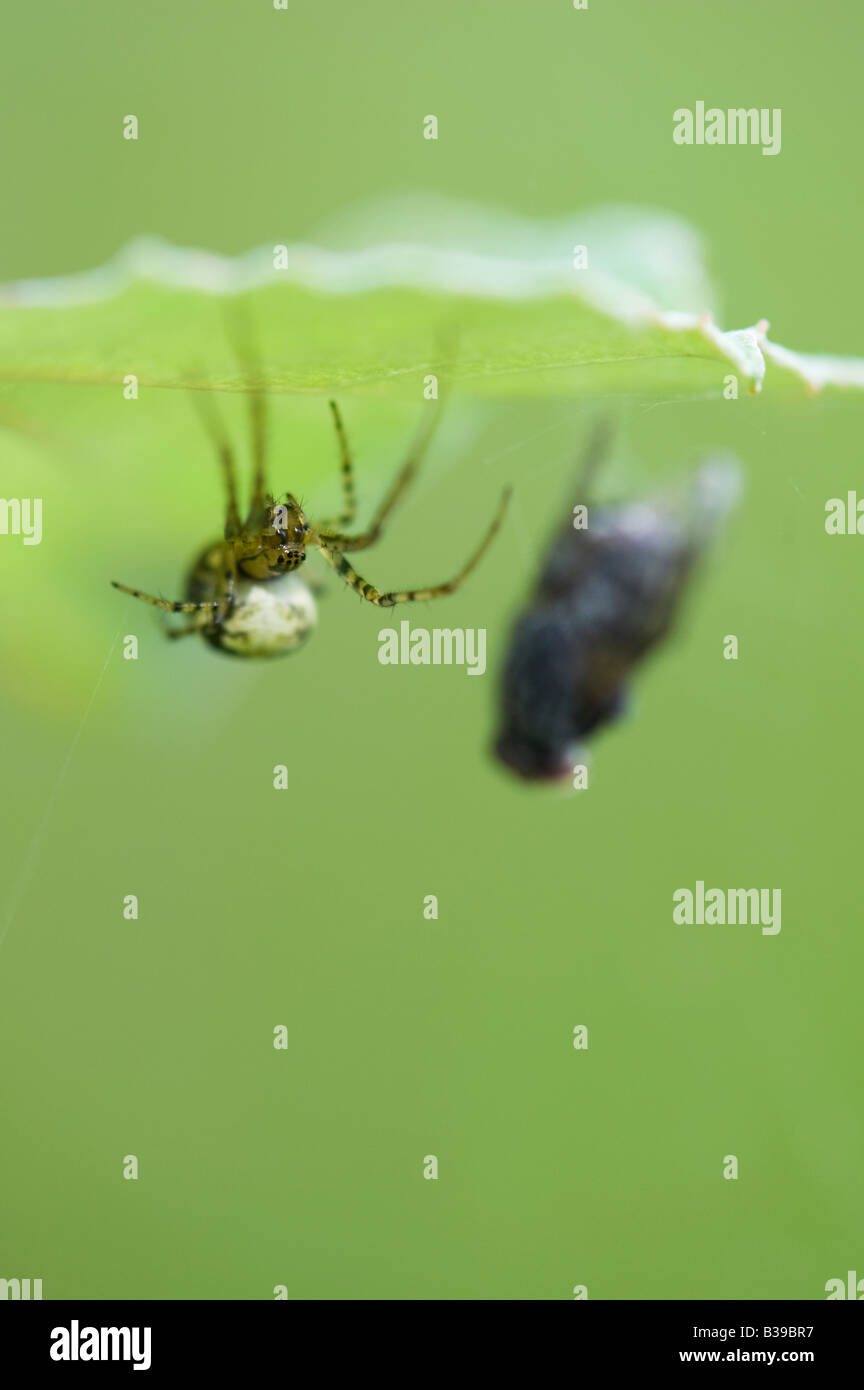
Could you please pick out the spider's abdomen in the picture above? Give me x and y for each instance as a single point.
(266, 619)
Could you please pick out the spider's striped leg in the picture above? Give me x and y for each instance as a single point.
(221, 584)
(349, 575)
(226, 585)
(349, 497)
(242, 336)
(372, 595)
(219, 439)
(258, 509)
(166, 604)
(400, 483)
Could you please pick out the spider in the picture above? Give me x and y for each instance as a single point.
(243, 592)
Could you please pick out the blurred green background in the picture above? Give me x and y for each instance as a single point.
(257, 907)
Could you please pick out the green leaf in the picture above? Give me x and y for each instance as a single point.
(403, 290)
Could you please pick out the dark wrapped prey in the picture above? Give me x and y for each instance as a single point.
(606, 595)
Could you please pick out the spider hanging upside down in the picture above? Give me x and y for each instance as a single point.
(242, 591)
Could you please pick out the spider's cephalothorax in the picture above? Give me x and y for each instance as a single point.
(279, 546)
(242, 594)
